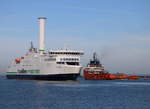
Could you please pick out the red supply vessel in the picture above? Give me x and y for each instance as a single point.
(95, 71)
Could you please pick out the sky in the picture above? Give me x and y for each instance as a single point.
(118, 30)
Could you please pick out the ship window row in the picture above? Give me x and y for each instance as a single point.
(72, 63)
(69, 63)
(72, 53)
(50, 59)
(69, 59)
(27, 65)
(60, 62)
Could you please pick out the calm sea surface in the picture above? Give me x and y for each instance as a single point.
(108, 94)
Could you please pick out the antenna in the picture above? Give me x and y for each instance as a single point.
(32, 45)
(94, 56)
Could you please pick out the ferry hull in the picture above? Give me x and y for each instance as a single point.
(56, 77)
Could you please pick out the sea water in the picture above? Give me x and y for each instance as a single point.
(82, 94)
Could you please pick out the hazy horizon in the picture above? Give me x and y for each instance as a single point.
(119, 31)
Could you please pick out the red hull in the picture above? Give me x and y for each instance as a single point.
(98, 76)
(121, 76)
(133, 77)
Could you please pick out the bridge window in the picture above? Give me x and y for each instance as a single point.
(60, 63)
(72, 63)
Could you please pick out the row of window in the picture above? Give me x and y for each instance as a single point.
(69, 59)
(72, 63)
(50, 59)
(72, 53)
(60, 62)
(69, 63)
(27, 65)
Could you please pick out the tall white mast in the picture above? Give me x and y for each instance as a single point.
(42, 34)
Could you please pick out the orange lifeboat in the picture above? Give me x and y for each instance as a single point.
(17, 60)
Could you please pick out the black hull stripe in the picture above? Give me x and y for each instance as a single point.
(59, 77)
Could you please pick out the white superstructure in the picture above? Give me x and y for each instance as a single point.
(46, 65)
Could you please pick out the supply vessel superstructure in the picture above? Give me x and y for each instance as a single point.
(95, 70)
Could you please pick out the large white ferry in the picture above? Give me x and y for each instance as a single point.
(39, 64)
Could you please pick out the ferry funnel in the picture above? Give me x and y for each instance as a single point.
(42, 34)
